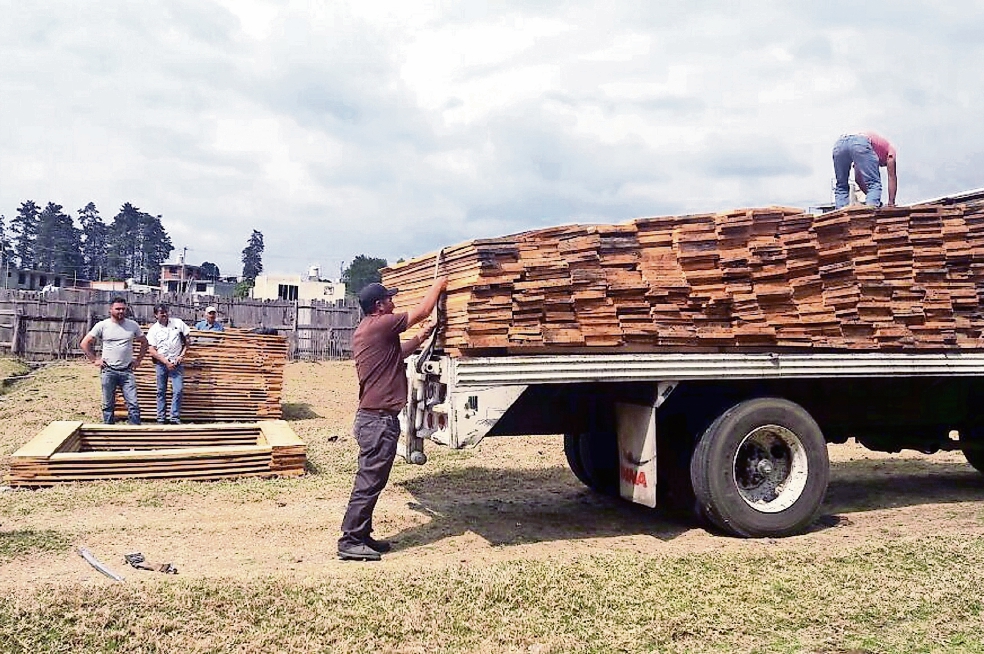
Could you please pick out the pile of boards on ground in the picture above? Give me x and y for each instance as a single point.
(895, 278)
(228, 376)
(68, 451)
(233, 380)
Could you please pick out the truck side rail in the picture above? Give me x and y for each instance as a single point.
(668, 367)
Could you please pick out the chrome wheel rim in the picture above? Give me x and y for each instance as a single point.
(770, 468)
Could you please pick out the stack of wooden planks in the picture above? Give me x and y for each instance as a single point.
(895, 278)
(67, 451)
(228, 376)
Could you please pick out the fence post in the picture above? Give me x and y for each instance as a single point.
(15, 339)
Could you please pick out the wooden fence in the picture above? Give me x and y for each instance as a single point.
(40, 327)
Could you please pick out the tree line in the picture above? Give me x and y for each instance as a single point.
(133, 245)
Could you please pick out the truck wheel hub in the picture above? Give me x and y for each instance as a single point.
(770, 468)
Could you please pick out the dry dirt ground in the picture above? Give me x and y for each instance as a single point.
(509, 498)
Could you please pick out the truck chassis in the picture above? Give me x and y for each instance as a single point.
(738, 439)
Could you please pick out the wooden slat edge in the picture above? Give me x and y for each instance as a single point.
(49, 440)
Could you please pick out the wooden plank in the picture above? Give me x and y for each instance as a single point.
(161, 454)
(773, 277)
(49, 440)
(204, 453)
(278, 434)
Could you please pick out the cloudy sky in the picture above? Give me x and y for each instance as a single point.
(393, 128)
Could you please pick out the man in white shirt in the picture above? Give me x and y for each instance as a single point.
(116, 361)
(168, 339)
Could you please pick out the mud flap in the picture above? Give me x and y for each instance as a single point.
(636, 427)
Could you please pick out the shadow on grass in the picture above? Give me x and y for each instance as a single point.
(510, 507)
(298, 411)
(866, 485)
(23, 542)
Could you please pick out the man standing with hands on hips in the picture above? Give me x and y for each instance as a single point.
(379, 362)
(116, 362)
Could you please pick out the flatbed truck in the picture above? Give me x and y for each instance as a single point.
(738, 438)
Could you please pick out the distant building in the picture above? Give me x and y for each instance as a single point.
(106, 285)
(34, 280)
(184, 278)
(178, 277)
(298, 287)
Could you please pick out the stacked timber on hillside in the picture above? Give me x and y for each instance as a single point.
(228, 376)
(896, 278)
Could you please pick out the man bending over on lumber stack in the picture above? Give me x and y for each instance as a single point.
(116, 361)
(382, 374)
(866, 152)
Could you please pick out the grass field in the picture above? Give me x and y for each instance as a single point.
(498, 549)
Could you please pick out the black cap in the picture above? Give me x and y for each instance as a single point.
(373, 293)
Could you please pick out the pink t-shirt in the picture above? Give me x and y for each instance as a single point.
(881, 146)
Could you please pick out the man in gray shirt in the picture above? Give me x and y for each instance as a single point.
(117, 361)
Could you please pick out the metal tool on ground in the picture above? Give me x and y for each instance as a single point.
(138, 561)
(98, 565)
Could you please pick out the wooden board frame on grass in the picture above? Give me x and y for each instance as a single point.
(199, 452)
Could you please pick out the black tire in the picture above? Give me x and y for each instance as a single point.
(599, 459)
(972, 446)
(572, 450)
(674, 450)
(761, 469)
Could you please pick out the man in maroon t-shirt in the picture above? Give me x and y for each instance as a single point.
(379, 364)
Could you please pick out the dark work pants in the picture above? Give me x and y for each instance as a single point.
(377, 433)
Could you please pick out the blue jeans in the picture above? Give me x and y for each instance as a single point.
(856, 149)
(110, 379)
(177, 388)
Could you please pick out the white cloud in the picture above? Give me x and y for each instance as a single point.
(392, 128)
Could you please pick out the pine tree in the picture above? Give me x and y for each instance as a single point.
(58, 244)
(253, 257)
(155, 247)
(5, 250)
(122, 248)
(96, 237)
(138, 245)
(24, 228)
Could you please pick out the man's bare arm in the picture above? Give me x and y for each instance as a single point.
(143, 350)
(155, 355)
(408, 347)
(88, 350)
(422, 310)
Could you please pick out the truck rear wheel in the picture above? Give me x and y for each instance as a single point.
(761, 469)
(972, 447)
(599, 456)
(572, 450)
(593, 458)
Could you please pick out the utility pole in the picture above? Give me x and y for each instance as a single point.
(181, 285)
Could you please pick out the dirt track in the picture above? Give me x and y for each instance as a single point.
(510, 498)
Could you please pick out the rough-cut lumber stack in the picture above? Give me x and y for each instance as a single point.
(71, 451)
(895, 278)
(228, 376)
